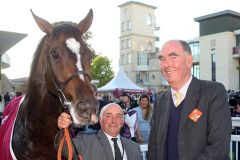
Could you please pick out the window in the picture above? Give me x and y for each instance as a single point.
(142, 58)
(238, 40)
(123, 44)
(146, 77)
(121, 59)
(195, 50)
(129, 25)
(213, 44)
(138, 79)
(125, 10)
(148, 19)
(213, 60)
(196, 70)
(129, 43)
(129, 58)
(122, 26)
(125, 26)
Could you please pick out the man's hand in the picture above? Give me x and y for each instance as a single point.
(64, 120)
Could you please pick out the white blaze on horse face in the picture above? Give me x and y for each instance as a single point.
(74, 46)
(73, 115)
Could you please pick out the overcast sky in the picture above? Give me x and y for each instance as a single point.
(175, 18)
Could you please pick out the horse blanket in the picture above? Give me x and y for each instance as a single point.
(6, 128)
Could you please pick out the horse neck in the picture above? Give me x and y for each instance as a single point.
(40, 105)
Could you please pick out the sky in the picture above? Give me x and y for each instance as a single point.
(175, 18)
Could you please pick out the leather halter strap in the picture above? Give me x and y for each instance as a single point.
(58, 85)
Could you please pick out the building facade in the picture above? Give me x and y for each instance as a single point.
(219, 48)
(138, 54)
(7, 40)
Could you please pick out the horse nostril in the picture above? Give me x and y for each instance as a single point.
(94, 118)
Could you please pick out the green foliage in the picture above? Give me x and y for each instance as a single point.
(101, 70)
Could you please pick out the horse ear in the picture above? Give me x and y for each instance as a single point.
(85, 24)
(44, 25)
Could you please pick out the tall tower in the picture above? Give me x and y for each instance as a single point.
(138, 54)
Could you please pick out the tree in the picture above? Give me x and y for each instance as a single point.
(101, 70)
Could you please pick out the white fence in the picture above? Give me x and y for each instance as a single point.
(144, 149)
(233, 146)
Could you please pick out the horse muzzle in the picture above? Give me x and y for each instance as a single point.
(83, 113)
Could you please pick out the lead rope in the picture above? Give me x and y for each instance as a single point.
(66, 137)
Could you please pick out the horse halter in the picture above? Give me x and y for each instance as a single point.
(58, 85)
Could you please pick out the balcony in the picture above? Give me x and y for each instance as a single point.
(236, 52)
(142, 68)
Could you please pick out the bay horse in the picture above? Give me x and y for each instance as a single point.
(60, 76)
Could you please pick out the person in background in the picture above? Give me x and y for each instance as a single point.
(100, 146)
(191, 120)
(144, 112)
(7, 98)
(131, 119)
(236, 130)
(101, 104)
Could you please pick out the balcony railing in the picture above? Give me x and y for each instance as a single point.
(142, 68)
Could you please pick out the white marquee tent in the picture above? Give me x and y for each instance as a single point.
(121, 83)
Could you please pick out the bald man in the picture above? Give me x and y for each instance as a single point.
(100, 145)
(191, 120)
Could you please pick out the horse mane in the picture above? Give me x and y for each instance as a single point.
(34, 64)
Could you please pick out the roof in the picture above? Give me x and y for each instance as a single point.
(121, 82)
(217, 14)
(139, 3)
(9, 39)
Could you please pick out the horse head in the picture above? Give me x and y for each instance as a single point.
(67, 59)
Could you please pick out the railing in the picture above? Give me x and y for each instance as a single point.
(144, 149)
(233, 145)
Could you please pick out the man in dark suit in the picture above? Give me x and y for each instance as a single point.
(191, 121)
(100, 146)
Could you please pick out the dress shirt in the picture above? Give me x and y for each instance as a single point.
(182, 90)
(119, 145)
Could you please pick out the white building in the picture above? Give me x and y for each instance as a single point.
(219, 48)
(138, 54)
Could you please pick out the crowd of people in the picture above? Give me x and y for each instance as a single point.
(7, 97)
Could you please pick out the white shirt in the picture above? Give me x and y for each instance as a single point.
(119, 145)
(182, 90)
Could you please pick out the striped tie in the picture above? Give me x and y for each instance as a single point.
(178, 97)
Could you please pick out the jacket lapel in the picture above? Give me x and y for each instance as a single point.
(105, 143)
(190, 101)
(126, 148)
(163, 109)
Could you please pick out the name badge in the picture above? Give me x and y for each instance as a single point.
(195, 115)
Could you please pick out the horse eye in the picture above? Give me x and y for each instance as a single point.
(54, 54)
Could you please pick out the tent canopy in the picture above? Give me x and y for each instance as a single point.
(122, 83)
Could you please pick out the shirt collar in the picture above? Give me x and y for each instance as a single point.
(110, 137)
(183, 90)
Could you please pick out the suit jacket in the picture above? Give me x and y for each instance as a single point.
(97, 147)
(208, 138)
